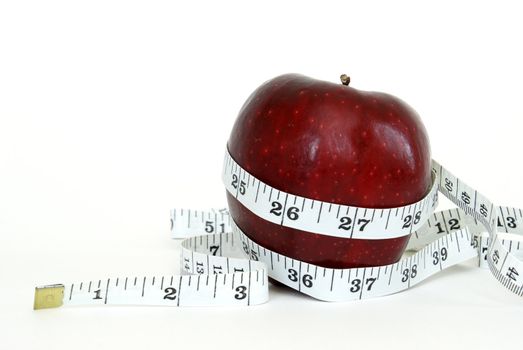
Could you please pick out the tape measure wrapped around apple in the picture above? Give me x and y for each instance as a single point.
(330, 142)
(327, 186)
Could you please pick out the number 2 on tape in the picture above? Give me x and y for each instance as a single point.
(222, 266)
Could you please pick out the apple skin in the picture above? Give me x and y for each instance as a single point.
(333, 143)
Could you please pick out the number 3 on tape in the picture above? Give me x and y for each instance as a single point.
(222, 266)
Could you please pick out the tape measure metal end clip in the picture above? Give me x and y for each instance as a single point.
(50, 296)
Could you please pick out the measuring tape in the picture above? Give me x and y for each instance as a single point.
(221, 265)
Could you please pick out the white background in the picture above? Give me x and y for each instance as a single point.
(113, 112)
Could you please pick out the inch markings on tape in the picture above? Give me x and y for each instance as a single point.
(190, 222)
(323, 217)
(220, 265)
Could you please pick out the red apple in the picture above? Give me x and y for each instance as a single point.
(333, 143)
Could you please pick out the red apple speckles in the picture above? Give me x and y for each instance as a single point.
(333, 143)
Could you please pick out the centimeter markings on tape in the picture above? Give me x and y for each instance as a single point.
(217, 273)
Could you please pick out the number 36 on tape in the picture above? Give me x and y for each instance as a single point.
(222, 266)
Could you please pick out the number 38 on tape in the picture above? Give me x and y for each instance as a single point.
(222, 266)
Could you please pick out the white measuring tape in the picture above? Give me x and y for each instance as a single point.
(215, 270)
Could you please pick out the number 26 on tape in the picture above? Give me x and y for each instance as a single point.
(291, 213)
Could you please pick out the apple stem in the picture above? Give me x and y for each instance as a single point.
(345, 79)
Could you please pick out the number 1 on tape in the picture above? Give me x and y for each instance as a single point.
(222, 266)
